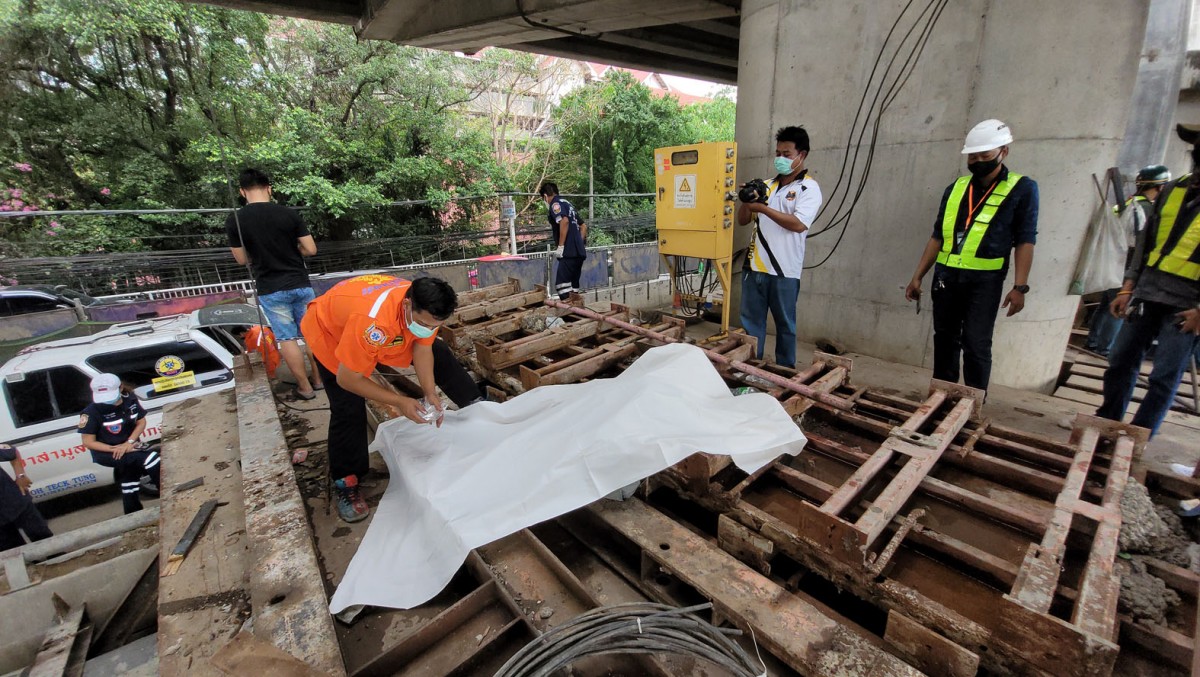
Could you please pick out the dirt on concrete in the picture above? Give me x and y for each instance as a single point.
(1144, 596)
(1151, 529)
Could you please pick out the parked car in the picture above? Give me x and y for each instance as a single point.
(46, 386)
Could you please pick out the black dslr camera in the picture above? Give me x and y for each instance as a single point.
(754, 191)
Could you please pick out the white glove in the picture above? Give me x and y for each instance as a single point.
(558, 253)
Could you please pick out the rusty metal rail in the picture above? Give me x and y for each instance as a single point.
(716, 357)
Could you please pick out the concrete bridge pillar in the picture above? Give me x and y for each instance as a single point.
(1060, 74)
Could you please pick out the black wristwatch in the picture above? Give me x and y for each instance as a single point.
(1023, 288)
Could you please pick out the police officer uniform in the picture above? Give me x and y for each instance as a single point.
(570, 266)
(112, 424)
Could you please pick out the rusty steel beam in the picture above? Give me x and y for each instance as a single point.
(928, 650)
(432, 647)
(1044, 561)
(824, 398)
(287, 591)
(795, 631)
(893, 497)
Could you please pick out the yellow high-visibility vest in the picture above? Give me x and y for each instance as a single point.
(1180, 259)
(974, 236)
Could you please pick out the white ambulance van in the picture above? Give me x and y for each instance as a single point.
(46, 386)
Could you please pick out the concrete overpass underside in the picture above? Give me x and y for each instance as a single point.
(696, 38)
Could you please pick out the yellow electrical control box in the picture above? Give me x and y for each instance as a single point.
(694, 201)
(694, 214)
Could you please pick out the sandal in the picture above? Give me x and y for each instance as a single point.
(309, 396)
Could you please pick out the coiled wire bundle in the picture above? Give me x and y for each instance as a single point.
(642, 628)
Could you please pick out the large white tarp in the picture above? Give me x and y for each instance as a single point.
(496, 468)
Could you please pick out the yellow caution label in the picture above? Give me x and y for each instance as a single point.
(164, 383)
(685, 187)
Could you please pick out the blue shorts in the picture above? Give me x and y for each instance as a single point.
(285, 309)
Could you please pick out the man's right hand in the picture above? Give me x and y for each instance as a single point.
(558, 253)
(411, 409)
(23, 483)
(913, 291)
(1120, 305)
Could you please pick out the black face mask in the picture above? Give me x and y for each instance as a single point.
(983, 167)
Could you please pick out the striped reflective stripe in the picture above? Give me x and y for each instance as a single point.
(130, 487)
(974, 237)
(379, 303)
(1181, 259)
(151, 460)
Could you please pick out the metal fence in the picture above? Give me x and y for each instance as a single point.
(198, 256)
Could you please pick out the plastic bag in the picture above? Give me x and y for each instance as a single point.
(1102, 262)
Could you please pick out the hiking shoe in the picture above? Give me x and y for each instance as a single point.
(350, 503)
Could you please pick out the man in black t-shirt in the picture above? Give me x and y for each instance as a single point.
(275, 241)
(111, 426)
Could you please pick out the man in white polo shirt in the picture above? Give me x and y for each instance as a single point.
(771, 274)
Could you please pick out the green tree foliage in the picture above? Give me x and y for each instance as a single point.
(712, 120)
(154, 104)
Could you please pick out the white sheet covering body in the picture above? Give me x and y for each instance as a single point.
(496, 468)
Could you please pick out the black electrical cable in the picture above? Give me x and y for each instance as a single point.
(856, 144)
(640, 628)
(873, 119)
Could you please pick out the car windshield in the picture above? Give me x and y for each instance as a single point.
(149, 370)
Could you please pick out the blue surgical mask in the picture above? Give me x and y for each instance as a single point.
(783, 166)
(419, 330)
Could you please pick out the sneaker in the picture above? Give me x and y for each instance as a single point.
(350, 503)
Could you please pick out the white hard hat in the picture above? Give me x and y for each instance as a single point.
(987, 135)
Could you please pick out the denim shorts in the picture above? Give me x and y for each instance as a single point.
(285, 309)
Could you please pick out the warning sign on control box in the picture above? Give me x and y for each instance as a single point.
(685, 191)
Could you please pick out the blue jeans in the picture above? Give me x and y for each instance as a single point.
(762, 292)
(285, 309)
(1102, 333)
(1175, 348)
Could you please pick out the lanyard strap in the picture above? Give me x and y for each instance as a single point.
(973, 207)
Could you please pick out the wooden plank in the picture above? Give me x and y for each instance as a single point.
(205, 602)
(792, 629)
(1096, 608)
(928, 650)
